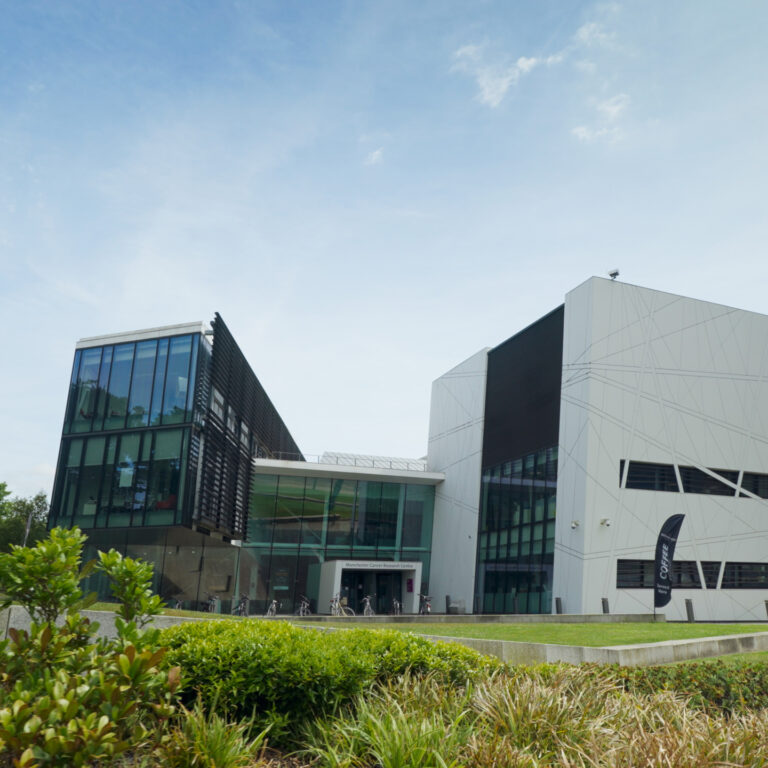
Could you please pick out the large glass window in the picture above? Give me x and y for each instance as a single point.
(119, 386)
(289, 509)
(86, 390)
(164, 488)
(141, 384)
(341, 512)
(177, 380)
(517, 532)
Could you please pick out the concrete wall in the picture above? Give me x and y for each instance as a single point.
(654, 377)
(455, 447)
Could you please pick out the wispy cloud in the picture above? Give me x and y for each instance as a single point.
(496, 75)
(493, 78)
(610, 112)
(375, 157)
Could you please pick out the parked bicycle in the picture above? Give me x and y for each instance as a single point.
(425, 605)
(367, 609)
(397, 607)
(339, 609)
(274, 606)
(241, 607)
(303, 609)
(174, 602)
(212, 606)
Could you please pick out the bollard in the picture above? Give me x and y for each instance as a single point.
(558, 605)
(689, 609)
(605, 605)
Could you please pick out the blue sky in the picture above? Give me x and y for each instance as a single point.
(368, 192)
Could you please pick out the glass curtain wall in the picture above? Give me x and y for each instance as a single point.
(127, 431)
(517, 535)
(297, 523)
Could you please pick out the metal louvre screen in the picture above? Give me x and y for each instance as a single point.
(240, 423)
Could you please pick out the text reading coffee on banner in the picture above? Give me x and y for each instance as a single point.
(665, 552)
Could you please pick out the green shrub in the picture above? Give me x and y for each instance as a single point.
(710, 685)
(286, 674)
(66, 697)
(45, 578)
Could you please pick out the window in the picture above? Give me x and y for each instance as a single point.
(711, 569)
(755, 483)
(639, 574)
(651, 477)
(745, 576)
(696, 481)
(217, 403)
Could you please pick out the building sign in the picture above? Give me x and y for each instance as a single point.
(378, 565)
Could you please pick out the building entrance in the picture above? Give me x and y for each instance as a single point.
(382, 580)
(381, 587)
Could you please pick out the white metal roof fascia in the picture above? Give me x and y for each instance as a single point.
(149, 333)
(311, 469)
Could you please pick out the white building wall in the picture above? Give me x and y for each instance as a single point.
(655, 377)
(456, 447)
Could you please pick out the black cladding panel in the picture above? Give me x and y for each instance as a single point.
(522, 396)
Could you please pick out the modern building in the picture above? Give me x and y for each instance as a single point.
(553, 460)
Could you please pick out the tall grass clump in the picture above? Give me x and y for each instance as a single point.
(560, 716)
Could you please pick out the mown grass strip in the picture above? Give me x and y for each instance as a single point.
(594, 635)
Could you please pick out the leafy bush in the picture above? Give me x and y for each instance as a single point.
(67, 698)
(44, 579)
(284, 673)
(710, 685)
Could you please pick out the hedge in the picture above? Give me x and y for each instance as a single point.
(279, 670)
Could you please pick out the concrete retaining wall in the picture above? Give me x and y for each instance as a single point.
(626, 655)
(507, 650)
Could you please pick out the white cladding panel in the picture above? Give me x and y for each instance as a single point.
(654, 377)
(456, 417)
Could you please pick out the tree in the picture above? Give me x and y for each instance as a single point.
(16, 512)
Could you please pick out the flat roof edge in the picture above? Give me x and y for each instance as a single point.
(312, 469)
(158, 332)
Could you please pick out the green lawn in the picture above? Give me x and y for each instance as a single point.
(580, 634)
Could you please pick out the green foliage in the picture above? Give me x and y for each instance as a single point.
(44, 578)
(67, 698)
(17, 513)
(286, 674)
(530, 718)
(205, 740)
(130, 583)
(710, 685)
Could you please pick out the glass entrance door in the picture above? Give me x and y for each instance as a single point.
(381, 587)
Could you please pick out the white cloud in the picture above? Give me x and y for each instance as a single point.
(609, 115)
(375, 157)
(493, 79)
(592, 33)
(612, 108)
(586, 134)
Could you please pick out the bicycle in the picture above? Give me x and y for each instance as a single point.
(303, 609)
(273, 608)
(397, 607)
(367, 610)
(212, 604)
(425, 605)
(241, 607)
(337, 609)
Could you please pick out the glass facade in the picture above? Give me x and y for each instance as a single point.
(517, 535)
(124, 456)
(297, 523)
